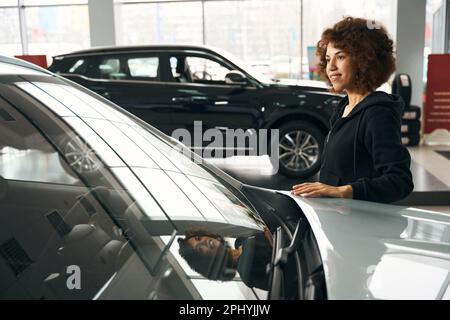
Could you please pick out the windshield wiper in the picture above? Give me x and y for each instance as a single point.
(280, 258)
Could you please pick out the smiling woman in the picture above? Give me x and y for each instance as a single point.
(371, 50)
(363, 156)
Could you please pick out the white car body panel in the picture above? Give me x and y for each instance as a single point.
(379, 251)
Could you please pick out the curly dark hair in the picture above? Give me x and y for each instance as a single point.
(202, 263)
(369, 46)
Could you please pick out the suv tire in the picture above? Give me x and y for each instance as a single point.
(300, 149)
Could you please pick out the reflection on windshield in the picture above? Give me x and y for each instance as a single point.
(210, 255)
(32, 165)
(128, 210)
(120, 141)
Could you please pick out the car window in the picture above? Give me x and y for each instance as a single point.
(110, 68)
(115, 226)
(193, 69)
(78, 67)
(124, 67)
(87, 231)
(72, 65)
(206, 69)
(143, 67)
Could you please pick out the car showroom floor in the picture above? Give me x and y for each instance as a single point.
(430, 167)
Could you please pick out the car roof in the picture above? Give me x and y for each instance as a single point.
(17, 66)
(112, 49)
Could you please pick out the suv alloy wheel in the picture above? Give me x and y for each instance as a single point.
(300, 149)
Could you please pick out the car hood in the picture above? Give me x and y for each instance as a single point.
(378, 251)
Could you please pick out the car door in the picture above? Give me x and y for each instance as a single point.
(133, 81)
(203, 98)
(136, 86)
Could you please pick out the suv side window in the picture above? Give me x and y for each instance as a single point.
(74, 65)
(79, 66)
(196, 69)
(110, 68)
(145, 68)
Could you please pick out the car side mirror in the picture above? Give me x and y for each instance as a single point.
(236, 77)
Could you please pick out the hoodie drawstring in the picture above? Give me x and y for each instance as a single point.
(355, 141)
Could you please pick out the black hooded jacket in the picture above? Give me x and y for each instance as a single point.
(364, 150)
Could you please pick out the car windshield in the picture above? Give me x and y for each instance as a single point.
(244, 66)
(118, 193)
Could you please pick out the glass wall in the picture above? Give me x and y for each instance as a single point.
(319, 15)
(51, 26)
(435, 27)
(272, 35)
(57, 29)
(10, 43)
(434, 31)
(267, 34)
(161, 22)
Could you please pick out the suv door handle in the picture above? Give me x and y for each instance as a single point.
(101, 91)
(105, 94)
(182, 99)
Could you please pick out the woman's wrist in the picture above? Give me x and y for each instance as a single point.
(346, 192)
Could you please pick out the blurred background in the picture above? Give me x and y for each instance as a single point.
(275, 36)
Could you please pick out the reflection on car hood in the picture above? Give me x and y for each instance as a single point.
(377, 251)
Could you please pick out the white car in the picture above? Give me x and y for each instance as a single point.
(92, 200)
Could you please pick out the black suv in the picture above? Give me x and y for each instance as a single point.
(173, 86)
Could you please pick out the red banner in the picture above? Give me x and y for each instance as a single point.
(437, 105)
(40, 60)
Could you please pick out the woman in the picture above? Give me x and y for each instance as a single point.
(363, 157)
(210, 255)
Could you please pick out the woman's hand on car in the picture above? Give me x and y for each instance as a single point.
(318, 190)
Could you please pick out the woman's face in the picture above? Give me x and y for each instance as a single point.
(339, 69)
(205, 245)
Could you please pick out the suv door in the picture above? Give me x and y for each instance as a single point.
(131, 80)
(201, 93)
